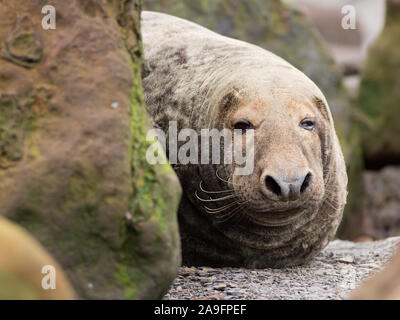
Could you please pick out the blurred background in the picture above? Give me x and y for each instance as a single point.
(358, 69)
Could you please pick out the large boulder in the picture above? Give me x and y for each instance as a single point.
(26, 268)
(277, 27)
(379, 216)
(73, 143)
(379, 96)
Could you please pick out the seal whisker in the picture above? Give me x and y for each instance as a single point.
(214, 200)
(220, 209)
(223, 180)
(213, 192)
(230, 215)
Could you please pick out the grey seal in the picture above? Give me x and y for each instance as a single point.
(289, 207)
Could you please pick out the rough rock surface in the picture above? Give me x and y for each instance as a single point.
(73, 131)
(333, 274)
(22, 260)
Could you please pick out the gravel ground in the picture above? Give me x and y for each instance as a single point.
(331, 275)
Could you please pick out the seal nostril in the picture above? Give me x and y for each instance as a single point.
(272, 185)
(306, 182)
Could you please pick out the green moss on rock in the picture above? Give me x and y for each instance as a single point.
(379, 95)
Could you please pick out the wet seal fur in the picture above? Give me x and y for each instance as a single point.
(289, 208)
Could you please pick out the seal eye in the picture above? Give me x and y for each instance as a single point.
(307, 124)
(243, 125)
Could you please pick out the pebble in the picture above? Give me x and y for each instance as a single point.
(220, 287)
(346, 259)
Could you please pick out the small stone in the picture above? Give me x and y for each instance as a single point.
(214, 297)
(220, 287)
(205, 280)
(344, 271)
(114, 105)
(346, 259)
(320, 272)
(186, 271)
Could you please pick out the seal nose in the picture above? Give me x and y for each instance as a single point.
(287, 190)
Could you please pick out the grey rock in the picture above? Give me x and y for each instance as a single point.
(380, 212)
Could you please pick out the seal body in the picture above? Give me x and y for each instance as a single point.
(288, 208)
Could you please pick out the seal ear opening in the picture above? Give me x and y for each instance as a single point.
(229, 100)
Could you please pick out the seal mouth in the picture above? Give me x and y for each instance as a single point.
(281, 216)
(277, 218)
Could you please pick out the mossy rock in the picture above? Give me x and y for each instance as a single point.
(22, 262)
(379, 95)
(277, 27)
(72, 153)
